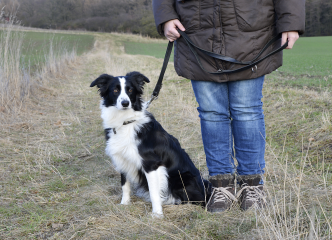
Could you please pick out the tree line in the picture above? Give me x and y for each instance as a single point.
(318, 18)
(134, 16)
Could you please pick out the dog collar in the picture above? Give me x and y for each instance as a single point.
(127, 122)
(124, 123)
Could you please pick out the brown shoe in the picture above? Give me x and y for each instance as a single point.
(223, 193)
(251, 193)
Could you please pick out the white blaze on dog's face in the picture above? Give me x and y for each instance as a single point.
(123, 101)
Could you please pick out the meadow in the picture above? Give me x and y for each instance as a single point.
(57, 183)
(37, 45)
(151, 49)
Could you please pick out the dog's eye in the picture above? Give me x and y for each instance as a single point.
(116, 90)
(130, 90)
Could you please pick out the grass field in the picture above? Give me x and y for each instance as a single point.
(310, 56)
(157, 50)
(57, 183)
(37, 45)
(307, 64)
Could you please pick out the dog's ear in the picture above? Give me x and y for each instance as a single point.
(138, 80)
(102, 82)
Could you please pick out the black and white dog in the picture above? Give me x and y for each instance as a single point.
(150, 160)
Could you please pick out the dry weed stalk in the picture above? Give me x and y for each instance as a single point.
(16, 79)
(292, 212)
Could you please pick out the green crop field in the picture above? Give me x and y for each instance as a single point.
(309, 63)
(157, 50)
(310, 56)
(37, 45)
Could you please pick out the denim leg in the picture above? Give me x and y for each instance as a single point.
(248, 125)
(215, 125)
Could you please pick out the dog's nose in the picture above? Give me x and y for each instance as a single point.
(125, 103)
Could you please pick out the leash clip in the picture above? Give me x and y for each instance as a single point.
(153, 97)
(254, 70)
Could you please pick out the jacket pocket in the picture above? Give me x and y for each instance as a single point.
(253, 15)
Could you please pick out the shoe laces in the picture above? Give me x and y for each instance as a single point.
(254, 193)
(222, 194)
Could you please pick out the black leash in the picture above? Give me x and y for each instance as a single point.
(157, 88)
(249, 64)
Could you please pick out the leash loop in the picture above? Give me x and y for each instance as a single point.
(248, 64)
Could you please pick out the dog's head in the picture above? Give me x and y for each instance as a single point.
(123, 92)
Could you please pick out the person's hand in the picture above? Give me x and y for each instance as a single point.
(291, 36)
(170, 31)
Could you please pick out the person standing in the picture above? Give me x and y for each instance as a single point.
(230, 106)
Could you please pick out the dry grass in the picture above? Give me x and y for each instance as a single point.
(18, 82)
(14, 81)
(57, 183)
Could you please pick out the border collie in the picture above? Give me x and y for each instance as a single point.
(150, 160)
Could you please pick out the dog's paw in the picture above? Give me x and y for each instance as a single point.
(125, 202)
(157, 215)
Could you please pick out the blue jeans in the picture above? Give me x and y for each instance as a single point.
(230, 113)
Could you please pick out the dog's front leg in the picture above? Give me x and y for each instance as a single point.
(125, 190)
(154, 190)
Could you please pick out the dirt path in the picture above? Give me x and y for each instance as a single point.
(57, 183)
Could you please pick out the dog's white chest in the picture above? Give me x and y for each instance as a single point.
(122, 148)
